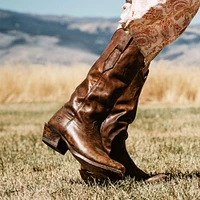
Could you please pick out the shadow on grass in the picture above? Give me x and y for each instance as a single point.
(181, 175)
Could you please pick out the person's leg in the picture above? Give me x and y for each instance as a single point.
(114, 128)
(152, 33)
(83, 106)
(77, 124)
(124, 110)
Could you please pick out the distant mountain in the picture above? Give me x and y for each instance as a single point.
(27, 38)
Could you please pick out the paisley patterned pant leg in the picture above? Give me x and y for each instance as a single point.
(156, 23)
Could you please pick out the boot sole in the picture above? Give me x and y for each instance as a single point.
(56, 141)
(92, 178)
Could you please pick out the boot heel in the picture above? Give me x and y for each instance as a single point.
(95, 177)
(53, 139)
(91, 178)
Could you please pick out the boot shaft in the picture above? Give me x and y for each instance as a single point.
(78, 121)
(106, 81)
(114, 128)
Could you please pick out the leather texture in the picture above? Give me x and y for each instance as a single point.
(79, 120)
(114, 128)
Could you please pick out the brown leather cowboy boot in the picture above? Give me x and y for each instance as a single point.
(114, 131)
(76, 126)
(116, 125)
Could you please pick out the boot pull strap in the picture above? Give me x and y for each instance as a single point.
(124, 40)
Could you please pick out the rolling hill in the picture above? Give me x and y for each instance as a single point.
(28, 38)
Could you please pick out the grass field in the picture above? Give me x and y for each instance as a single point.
(165, 137)
(162, 139)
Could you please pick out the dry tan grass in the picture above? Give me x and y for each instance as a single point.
(34, 83)
(170, 84)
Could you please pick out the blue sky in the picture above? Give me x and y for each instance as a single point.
(76, 8)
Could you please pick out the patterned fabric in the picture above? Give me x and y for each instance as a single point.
(156, 23)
